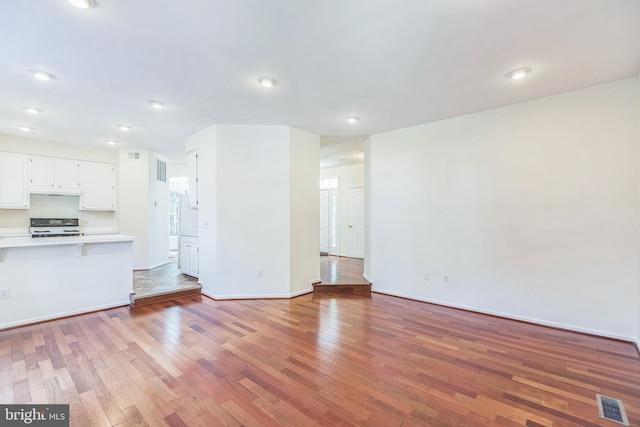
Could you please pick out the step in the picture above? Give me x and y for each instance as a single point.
(355, 288)
(142, 300)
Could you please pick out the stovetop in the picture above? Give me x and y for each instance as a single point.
(54, 227)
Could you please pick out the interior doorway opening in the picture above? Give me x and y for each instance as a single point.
(178, 185)
(341, 232)
(329, 216)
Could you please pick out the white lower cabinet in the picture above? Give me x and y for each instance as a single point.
(189, 255)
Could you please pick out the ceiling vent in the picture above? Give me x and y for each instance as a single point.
(134, 156)
(161, 170)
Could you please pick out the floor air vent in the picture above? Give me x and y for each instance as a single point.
(612, 409)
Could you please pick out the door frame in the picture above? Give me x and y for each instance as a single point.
(350, 229)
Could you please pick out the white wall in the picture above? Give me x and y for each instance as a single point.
(367, 211)
(205, 141)
(349, 176)
(246, 192)
(158, 208)
(144, 208)
(57, 149)
(531, 209)
(304, 210)
(53, 206)
(133, 203)
(177, 169)
(48, 282)
(253, 210)
(638, 132)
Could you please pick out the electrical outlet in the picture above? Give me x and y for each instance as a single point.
(260, 273)
(426, 276)
(445, 278)
(4, 293)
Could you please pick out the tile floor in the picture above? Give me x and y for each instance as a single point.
(163, 279)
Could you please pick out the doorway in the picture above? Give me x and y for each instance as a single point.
(329, 216)
(178, 185)
(342, 224)
(356, 223)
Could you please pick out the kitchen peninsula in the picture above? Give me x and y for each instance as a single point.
(61, 276)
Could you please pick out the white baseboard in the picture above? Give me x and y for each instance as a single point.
(159, 265)
(367, 279)
(257, 296)
(541, 322)
(63, 315)
(302, 292)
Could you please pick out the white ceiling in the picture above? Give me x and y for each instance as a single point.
(392, 63)
(341, 150)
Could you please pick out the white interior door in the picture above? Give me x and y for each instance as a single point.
(356, 222)
(333, 222)
(324, 221)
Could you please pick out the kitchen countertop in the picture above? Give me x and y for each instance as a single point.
(24, 242)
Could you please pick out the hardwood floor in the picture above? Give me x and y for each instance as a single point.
(315, 360)
(341, 270)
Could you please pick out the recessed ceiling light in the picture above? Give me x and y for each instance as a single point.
(111, 141)
(519, 73)
(124, 128)
(83, 4)
(352, 119)
(32, 110)
(42, 75)
(158, 105)
(267, 81)
(25, 128)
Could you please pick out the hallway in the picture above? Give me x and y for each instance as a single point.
(341, 270)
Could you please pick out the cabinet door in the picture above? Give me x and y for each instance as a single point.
(42, 173)
(14, 188)
(184, 258)
(97, 184)
(193, 179)
(193, 260)
(50, 175)
(66, 174)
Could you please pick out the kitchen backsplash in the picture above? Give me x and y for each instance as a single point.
(46, 206)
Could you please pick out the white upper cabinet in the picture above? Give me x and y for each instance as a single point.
(193, 179)
(50, 175)
(14, 191)
(98, 186)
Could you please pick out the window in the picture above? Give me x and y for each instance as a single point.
(327, 183)
(174, 212)
(177, 185)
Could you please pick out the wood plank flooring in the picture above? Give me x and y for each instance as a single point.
(315, 360)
